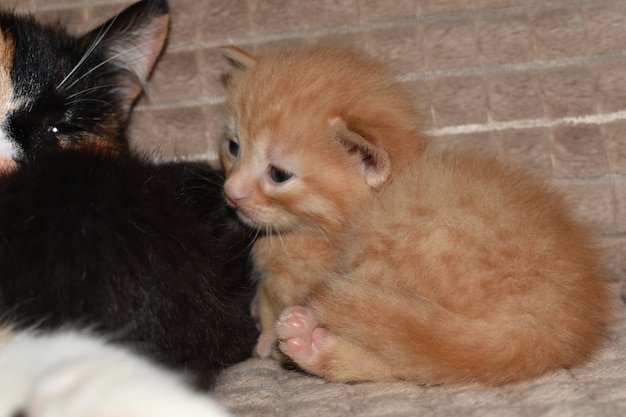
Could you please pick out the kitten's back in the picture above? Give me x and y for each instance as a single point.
(486, 267)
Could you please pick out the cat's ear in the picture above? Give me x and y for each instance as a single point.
(133, 41)
(238, 57)
(375, 163)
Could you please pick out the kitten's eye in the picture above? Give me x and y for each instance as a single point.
(63, 129)
(233, 148)
(278, 175)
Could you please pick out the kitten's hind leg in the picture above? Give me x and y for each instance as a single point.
(306, 341)
(357, 331)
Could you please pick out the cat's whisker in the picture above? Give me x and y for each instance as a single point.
(181, 45)
(255, 236)
(282, 242)
(103, 31)
(90, 90)
(257, 231)
(112, 58)
(104, 102)
(246, 249)
(269, 233)
(214, 181)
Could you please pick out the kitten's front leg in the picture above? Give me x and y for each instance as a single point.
(286, 279)
(265, 314)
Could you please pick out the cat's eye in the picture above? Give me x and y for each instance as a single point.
(233, 148)
(279, 175)
(63, 129)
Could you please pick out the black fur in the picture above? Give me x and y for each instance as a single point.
(146, 254)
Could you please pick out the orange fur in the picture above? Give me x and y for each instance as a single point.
(415, 265)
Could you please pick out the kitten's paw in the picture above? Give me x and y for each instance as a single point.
(300, 335)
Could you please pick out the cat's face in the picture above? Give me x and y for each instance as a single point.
(280, 180)
(59, 90)
(306, 142)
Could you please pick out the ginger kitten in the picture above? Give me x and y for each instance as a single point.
(384, 260)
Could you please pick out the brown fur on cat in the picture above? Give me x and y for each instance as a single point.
(412, 265)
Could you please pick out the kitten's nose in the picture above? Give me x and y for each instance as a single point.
(234, 195)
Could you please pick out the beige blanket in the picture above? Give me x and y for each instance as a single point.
(261, 388)
(540, 82)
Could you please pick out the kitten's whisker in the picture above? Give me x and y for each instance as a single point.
(256, 235)
(282, 242)
(181, 45)
(270, 234)
(112, 58)
(103, 31)
(89, 90)
(92, 100)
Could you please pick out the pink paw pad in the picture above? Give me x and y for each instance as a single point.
(300, 334)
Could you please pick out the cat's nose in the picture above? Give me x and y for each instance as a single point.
(234, 195)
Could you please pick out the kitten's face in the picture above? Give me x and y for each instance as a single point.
(59, 90)
(290, 176)
(296, 155)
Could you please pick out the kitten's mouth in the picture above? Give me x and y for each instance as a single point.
(247, 220)
(262, 229)
(7, 166)
(241, 214)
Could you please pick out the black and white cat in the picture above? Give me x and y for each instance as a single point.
(146, 257)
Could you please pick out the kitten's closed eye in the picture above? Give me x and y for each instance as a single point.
(75, 90)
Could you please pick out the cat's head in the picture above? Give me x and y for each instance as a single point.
(311, 135)
(59, 90)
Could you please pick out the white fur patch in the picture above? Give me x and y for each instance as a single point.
(71, 374)
(8, 148)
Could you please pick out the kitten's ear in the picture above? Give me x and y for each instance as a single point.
(133, 41)
(238, 57)
(375, 163)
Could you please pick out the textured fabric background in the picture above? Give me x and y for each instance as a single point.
(540, 82)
